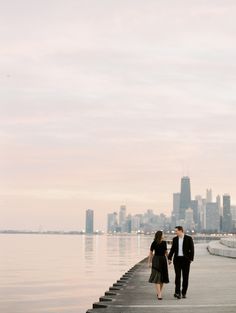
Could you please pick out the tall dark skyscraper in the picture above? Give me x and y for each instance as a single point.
(89, 221)
(185, 196)
(227, 217)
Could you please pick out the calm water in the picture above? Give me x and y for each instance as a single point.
(59, 273)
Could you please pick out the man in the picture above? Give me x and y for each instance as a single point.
(183, 250)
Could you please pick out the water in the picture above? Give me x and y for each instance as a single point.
(62, 273)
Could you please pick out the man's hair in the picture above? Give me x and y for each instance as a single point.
(179, 228)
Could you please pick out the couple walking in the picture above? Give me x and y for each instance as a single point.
(183, 250)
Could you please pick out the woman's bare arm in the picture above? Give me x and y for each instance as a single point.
(150, 258)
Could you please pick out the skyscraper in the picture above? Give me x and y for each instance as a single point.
(122, 218)
(194, 207)
(112, 222)
(89, 221)
(227, 217)
(212, 217)
(175, 211)
(233, 212)
(218, 201)
(135, 223)
(208, 196)
(200, 205)
(185, 196)
(189, 224)
(219, 204)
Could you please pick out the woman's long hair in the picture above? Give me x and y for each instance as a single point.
(158, 236)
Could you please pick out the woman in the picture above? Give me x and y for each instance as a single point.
(158, 261)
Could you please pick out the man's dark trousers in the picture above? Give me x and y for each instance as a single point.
(182, 265)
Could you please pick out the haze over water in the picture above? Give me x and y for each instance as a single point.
(63, 274)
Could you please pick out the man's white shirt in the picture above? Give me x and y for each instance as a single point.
(180, 247)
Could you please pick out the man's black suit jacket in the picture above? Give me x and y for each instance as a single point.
(188, 248)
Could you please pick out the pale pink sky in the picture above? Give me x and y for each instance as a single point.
(106, 103)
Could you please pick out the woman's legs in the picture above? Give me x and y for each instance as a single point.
(158, 289)
(162, 285)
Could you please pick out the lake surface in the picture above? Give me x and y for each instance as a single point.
(63, 273)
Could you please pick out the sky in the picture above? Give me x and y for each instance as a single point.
(104, 103)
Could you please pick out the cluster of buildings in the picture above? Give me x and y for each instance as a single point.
(201, 214)
(145, 223)
(126, 223)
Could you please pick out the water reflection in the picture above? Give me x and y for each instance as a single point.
(88, 248)
(73, 269)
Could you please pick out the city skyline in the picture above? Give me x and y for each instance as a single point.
(209, 209)
(104, 103)
(198, 214)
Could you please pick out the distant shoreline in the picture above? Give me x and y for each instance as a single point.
(60, 232)
(46, 232)
(168, 237)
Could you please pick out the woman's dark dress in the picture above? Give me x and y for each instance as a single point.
(159, 272)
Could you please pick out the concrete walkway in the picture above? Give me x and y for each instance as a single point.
(212, 288)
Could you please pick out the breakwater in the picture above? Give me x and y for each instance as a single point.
(224, 247)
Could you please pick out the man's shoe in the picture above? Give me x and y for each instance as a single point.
(184, 296)
(177, 295)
